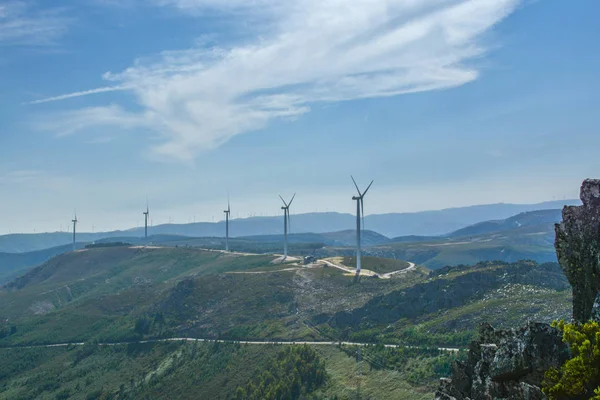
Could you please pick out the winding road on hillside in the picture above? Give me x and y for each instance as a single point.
(411, 267)
(248, 342)
(348, 270)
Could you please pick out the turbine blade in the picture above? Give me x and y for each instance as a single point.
(368, 187)
(289, 221)
(355, 185)
(292, 200)
(284, 203)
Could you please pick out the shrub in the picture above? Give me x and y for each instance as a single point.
(579, 377)
(296, 371)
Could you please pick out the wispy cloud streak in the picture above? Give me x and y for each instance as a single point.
(79, 94)
(316, 51)
(22, 23)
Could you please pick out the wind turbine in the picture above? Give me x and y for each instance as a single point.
(74, 221)
(360, 209)
(286, 222)
(227, 212)
(146, 216)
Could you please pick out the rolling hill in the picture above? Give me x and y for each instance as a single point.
(342, 238)
(15, 264)
(539, 218)
(132, 293)
(527, 235)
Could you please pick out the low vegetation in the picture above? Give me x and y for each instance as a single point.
(296, 372)
(420, 366)
(107, 244)
(579, 377)
(376, 264)
(116, 294)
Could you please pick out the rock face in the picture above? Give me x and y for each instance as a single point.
(578, 249)
(506, 364)
(596, 309)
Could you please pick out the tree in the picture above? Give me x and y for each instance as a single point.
(579, 377)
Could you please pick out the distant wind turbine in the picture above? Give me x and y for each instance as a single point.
(146, 216)
(227, 212)
(74, 221)
(286, 222)
(360, 210)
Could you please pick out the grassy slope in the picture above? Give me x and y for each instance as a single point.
(108, 294)
(446, 308)
(529, 242)
(185, 292)
(103, 271)
(103, 293)
(15, 264)
(182, 371)
(376, 264)
(374, 384)
(161, 371)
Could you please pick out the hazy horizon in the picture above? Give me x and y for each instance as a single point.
(68, 228)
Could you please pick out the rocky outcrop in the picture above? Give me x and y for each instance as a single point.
(578, 249)
(596, 309)
(511, 364)
(506, 364)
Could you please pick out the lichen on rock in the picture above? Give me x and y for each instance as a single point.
(596, 310)
(506, 364)
(577, 246)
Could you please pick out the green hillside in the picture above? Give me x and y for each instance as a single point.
(446, 308)
(103, 292)
(535, 242)
(128, 294)
(15, 264)
(376, 264)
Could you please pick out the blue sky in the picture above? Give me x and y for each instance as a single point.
(442, 102)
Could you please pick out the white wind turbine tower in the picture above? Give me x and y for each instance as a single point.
(227, 212)
(74, 221)
(286, 222)
(146, 216)
(360, 209)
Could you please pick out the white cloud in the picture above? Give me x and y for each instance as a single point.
(21, 23)
(79, 94)
(316, 51)
(66, 123)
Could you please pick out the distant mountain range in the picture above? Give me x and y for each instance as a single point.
(523, 220)
(426, 223)
(528, 235)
